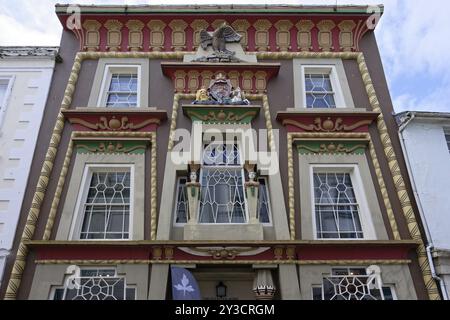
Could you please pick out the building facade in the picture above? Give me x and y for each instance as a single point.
(25, 77)
(425, 139)
(251, 145)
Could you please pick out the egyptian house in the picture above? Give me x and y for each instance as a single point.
(252, 145)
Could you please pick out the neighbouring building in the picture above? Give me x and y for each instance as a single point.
(253, 145)
(25, 77)
(425, 139)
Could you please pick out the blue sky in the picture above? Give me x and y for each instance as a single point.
(412, 36)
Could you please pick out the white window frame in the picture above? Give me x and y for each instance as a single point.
(111, 69)
(78, 215)
(4, 104)
(365, 218)
(238, 142)
(335, 84)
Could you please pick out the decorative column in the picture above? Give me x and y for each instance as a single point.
(193, 193)
(251, 190)
(263, 286)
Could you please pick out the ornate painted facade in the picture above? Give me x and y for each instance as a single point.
(247, 144)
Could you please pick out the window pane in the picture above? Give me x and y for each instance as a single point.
(122, 91)
(182, 202)
(336, 208)
(222, 196)
(263, 202)
(107, 207)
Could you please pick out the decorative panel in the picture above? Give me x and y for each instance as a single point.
(247, 81)
(156, 34)
(135, 37)
(262, 27)
(114, 35)
(178, 27)
(304, 42)
(325, 35)
(92, 42)
(283, 35)
(241, 26)
(346, 41)
(260, 81)
(193, 81)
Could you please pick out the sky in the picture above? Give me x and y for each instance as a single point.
(412, 36)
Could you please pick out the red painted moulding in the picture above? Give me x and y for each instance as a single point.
(358, 31)
(326, 120)
(144, 251)
(109, 119)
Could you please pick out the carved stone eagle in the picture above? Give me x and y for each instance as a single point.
(223, 35)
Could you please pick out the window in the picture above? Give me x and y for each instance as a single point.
(106, 204)
(181, 208)
(222, 185)
(336, 207)
(447, 137)
(121, 87)
(319, 91)
(352, 284)
(95, 284)
(263, 209)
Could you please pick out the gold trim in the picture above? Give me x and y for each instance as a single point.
(399, 184)
(328, 125)
(221, 115)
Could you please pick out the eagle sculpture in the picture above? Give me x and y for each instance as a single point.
(223, 35)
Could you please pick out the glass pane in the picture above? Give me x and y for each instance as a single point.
(263, 202)
(222, 196)
(337, 213)
(182, 202)
(109, 217)
(320, 100)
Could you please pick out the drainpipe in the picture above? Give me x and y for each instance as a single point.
(429, 246)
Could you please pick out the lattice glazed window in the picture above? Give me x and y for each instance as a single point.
(107, 206)
(336, 206)
(222, 185)
(181, 208)
(319, 91)
(263, 209)
(352, 284)
(122, 91)
(96, 284)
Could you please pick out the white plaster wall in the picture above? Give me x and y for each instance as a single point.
(18, 137)
(430, 165)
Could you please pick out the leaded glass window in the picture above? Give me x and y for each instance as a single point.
(181, 209)
(222, 185)
(352, 284)
(122, 92)
(263, 209)
(319, 91)
(96, 284)
(336, 206)
(107, 206)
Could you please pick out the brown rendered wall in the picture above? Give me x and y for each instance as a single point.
(281, 96)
